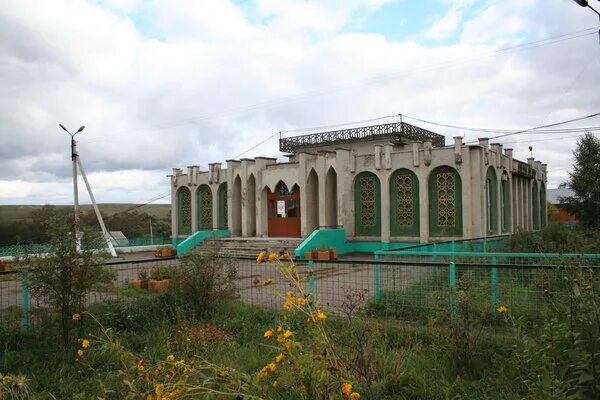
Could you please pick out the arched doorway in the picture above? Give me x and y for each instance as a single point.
(251, 206)
(312, 201)
(331, 218)
(367, 209)
(222, 199)
(404, 203)
(204, 207)
(284, 211)
(491, 201)
(236, 207)
(184, 211)
(445, 203)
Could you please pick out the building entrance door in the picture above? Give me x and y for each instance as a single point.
(284, 212)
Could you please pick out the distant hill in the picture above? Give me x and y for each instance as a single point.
(11, 213)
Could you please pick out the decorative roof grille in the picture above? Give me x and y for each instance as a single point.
(525, 170)
(394, 131)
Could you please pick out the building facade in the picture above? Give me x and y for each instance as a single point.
(390, 183)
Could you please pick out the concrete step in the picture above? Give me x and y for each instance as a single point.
(249, 247)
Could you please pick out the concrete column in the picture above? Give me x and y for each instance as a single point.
(384, 177)
(515, 203)
(302, 177)
(214, 189)
(473, 194)
(321, 172)
(194, 201)
(345, 190)
(499, 213)
(246, 208)
(423, 175)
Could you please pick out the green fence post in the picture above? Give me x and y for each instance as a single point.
(377, 279)
(494, 277)
(24, 302)
(312, 285)
(452, 281)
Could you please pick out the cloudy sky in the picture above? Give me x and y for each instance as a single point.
(171, 83)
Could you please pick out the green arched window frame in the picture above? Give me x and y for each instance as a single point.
(506, 204)
(367, 204)
(184, 211)
(445, 203)
(204, 209)
(222, 196)
(491, 201)
(543, 205)
(404, 203)
(535, 205)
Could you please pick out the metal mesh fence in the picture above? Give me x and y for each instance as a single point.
(417, 290)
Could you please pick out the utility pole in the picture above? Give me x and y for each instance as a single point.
(77, 162)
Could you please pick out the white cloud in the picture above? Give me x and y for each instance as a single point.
(215, 81)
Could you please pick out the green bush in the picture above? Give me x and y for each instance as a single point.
(200, 281)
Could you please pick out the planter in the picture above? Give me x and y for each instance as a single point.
(159, 286)
(166, 252)
(333, 254)
(323, 255)
(310, 255)
(140, 283)
(158, 253)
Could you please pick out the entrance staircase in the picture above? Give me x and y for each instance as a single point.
(248, 246)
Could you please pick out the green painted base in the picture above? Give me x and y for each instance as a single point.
(186, 245)
(336, 238)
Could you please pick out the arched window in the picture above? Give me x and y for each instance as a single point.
(535, 200)
(367, 200)
(505, 198)
(184, 211)
(445, 203)
(222, 196)
(491, 201)
(204, 202)
(543, 205)
(404, 203)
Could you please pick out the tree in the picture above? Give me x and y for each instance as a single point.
(584, 180)
(63, 278)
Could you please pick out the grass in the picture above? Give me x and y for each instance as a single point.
(406, 361)
(14, 213)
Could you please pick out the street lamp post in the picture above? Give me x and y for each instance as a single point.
(585, 3)
(74, 161)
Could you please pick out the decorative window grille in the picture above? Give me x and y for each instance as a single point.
(282, 190)
(368, 201)
(185, 223)
(446, 186)
(404, 192)
(205, 208)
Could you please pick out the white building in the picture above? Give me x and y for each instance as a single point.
(390, 183)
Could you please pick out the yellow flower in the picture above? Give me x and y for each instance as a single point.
(268, 334)
(354, 396)
(288, 346)
(346, 388)
(275, 384)
(271, 367)
(289, 293)
(301, 301)
(279, 358)
(159, 389)
(170, 358)
(80, 353)
(309, 272)
(320, 316)
(267, 282)
(502, 309)
(7, 378)
(273, 257)
(588, 287)
(287, 306)
(149, 397)
(262, 257)
(223, 374)
(287, 334)
(76, 317)
(85, 343)
(279, 328)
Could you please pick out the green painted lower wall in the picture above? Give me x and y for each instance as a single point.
(336, 238)
(197, 239)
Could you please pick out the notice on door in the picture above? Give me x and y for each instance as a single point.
(281, 208)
